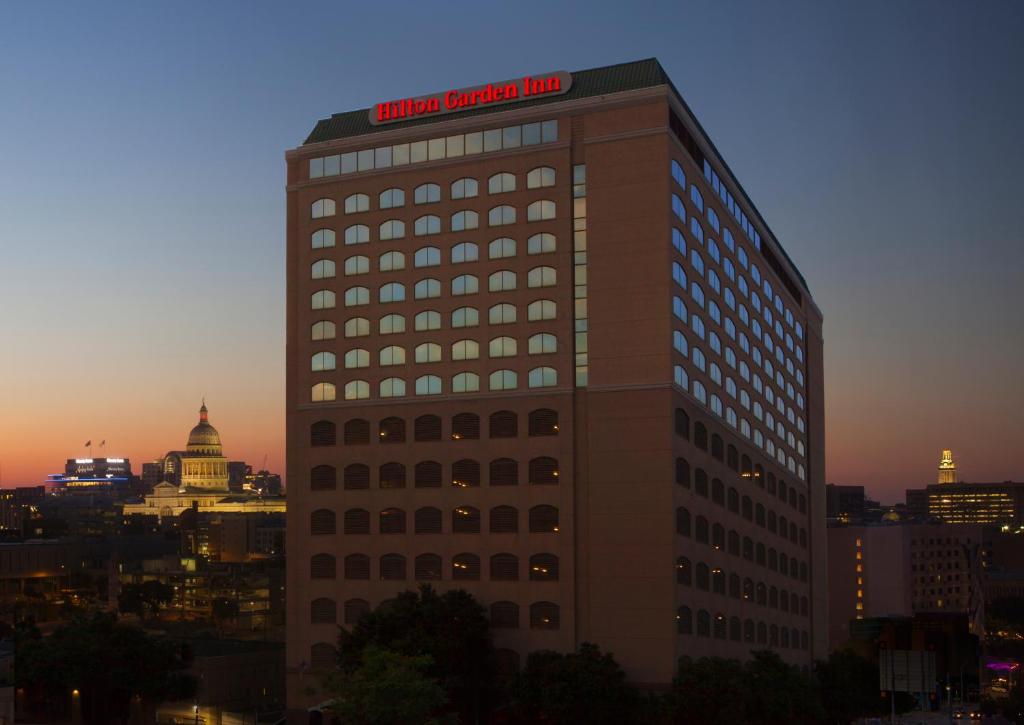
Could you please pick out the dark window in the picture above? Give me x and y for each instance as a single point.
(683, 521)
(504, 520)
(321, 566)
(543, 519)
(466, 427)
(734, 586)
(427, 567)
(543, 422)
(762, 594)
(544, 568)
(504, 472)
(803, 538)
(748, 630)
(544, 615)
(700, 485)
(748, 548)
(506, 661)
(759, 475)
(465, 567)
(323, 433)
(773, 635)
(504, 568)
(803, 507)
(427, 520)
(684, 620)
(684, 571)
(357, 476)
(773, 597)
(465, 520)
(505, 615)
(392, 567)
(682, 472)
(466, 474)
(735, 629)
(392, 521)
(322, 655)
(504, 424)
(718, 492)
(322, 521)
(357, 521)
(759, 514)
(392, 430)
(682, 423)
(427, 428)
(700, 438)
(703, 576)
(772, 521)
(357, 566)
(746, 468)
(392, 475)
(782, 490)
(732, 459)
(748, 508)
(748, 589)
(733, 500)
(703, 624)
(355, 609)
(543, 470)
(773, 559)
(770, 480)
(357, 431)
(792, 498)
(717, 447)
(323, 478)
(718, 581)
(734, 543)
(720, 623)
(428, 474)
(701, 530)
(718, 536)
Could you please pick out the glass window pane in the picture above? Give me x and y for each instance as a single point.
(366, 159)
(382, 157)
(400, 154)
(549, 131)
(492, 140)
(474, 142)
(455, 145)
(435, 149)
(511, 137)
(531, 134)
(418, 152)
(332, 165)
(348, 162)
(316, 168)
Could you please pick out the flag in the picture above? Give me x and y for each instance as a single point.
(88, 443)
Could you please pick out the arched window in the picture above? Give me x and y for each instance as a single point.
(428, 474)
(391, 355)
(355, 609)
(323, 478)
(466, 474)
(540, 210)
(501, 183)
(427, 257)
(323, 300)
(323, 330)
(464, 220)
(322, 269)
(428, 352)
(542, 343)
(356, 203)
(357, 327)
(544, 568)
(684, 571)
(465, 382)
(503, 424)
(322, 522)
(323, 392)
(465, 188)
(700, 436)
(392, 521)
(504, 472)
(426, 289)
(357, 476)
(465, 426)
(427, 428)
(392, 567)
(465, 284)
(357, 430)
(322, 655)
(544, 471)
(391, 430)
(543, 519)
(502, 380)
(427, 194)
(540, 177)
(501, 281)
(465, 317)
(427, 520)
(544, 615)
(427, 567)
(501, 216)
(701, 530)
(322, 433)
(390, 292)
(501, 314)
(427, 224)
(322, 566)
(466, 567)
(703, 624)
(322, 208)
(391, 229)
(392, 198)
(684, 620)
(543, 377)
(427, 320)
(541, 310)
(465, 520)
(501, 248)
(504, 615)
(392, 387)
(504, 567)
(720, 625)
(464, 252)
(543, 422)
(428, 385)
(357, 234)
(543, 243)
(541, 277)
(357, 357)
(465, 350)
(392, 475)
(322, 239)
(357, 521)
(357, 296)
(504, 520)
(717, 447)
(683, 472)
(502, 347)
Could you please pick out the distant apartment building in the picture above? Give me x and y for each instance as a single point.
(844, 504)
(547, 351)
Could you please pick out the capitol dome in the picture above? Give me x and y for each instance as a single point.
(204, 438)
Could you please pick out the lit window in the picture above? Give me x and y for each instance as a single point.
(392, 355)
(356, 390)
(323, 392)
(392, 388)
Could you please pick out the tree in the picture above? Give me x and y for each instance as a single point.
(223, 609)
(778, 693)
(580, 687)
(138, 598)
(848, 684)
(107, 661)
(706, 692)
(451, 628)
(386, 688)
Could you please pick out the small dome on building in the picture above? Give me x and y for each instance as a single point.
(890, 515)
(204, 438)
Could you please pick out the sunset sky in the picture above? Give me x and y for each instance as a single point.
(142, 200)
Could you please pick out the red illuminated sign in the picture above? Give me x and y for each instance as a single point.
(464, 99)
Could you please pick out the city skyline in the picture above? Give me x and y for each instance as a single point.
(910, 246)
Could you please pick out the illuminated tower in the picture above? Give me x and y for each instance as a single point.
(947, 469)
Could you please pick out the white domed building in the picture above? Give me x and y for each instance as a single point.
(202, 471)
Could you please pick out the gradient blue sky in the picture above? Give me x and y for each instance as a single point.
(142, 199)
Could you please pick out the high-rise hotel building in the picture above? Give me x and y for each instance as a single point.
(542, 347)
